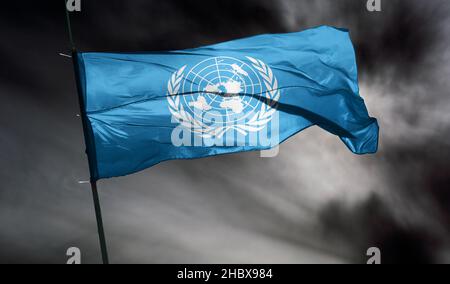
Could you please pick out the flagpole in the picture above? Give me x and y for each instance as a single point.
(98, 215)
(93, 182)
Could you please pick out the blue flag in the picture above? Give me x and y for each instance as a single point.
(248, 94)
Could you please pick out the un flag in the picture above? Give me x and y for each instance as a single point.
(248, 94)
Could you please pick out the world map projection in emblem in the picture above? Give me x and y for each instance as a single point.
(228, 90)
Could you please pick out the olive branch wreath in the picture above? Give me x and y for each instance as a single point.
(256, 123)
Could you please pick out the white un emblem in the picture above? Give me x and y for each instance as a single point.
(222, 94)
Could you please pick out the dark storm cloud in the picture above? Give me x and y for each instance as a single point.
(401, 37)
(372, 222)
(403, 53)
(171, 25)
(313, 203)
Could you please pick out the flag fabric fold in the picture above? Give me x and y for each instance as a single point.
(242, 95)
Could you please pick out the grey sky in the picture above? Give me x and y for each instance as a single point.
(316, 202)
